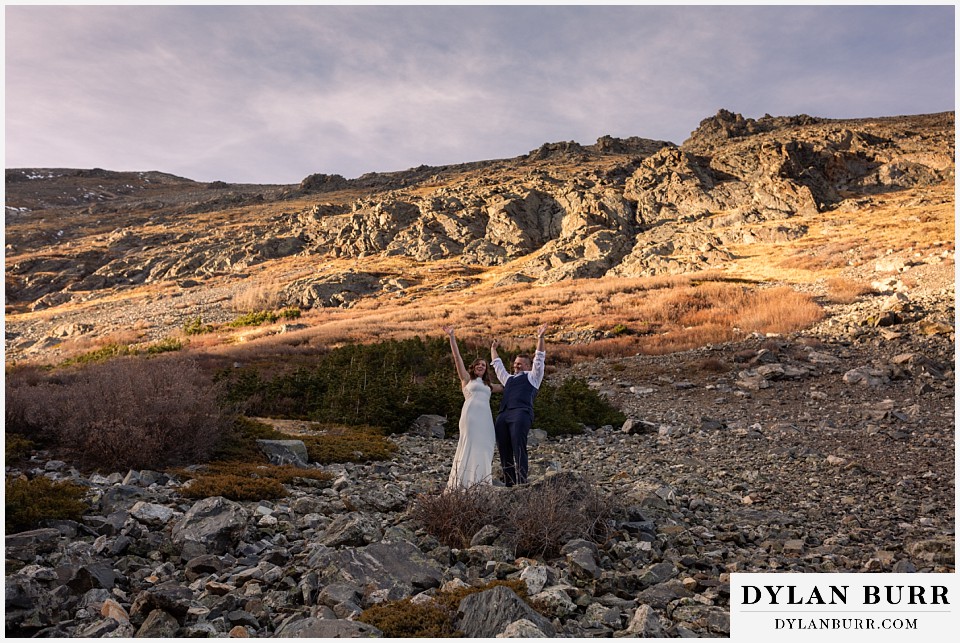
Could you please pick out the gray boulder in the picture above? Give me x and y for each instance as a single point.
(703, 618)
(645, 623)
(659, 596)
(522, 629)
(327, 628)
(158, 624)
(634, 426)
(398, 568)
(429, 426)
(26, 545)
(353, 529)
(212, 525)
(866, 376)
(169, 598)
(487, 614)
(282, 452)
(152, 514)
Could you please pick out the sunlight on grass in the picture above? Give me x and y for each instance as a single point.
(628, 316)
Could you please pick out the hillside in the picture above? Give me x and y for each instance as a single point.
(795, 200)
(771, 304)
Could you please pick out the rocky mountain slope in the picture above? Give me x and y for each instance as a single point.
(85, 245)
(827, 449)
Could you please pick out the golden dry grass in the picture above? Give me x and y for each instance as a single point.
(259, 295)
(642, 315)
(845, 291)
(911, 221)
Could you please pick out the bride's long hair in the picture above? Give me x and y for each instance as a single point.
(486, 373)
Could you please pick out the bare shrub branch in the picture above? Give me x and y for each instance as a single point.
(126, 413)
(534, 520)
(455, 515)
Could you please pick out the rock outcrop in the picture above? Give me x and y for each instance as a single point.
(625, 207)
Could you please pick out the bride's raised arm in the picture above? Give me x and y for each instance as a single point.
(457, 360)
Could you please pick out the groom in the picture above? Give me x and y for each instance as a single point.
(516, 408)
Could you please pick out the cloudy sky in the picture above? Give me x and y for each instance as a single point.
(261, 94)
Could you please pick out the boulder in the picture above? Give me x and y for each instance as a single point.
(645, 623)
(352, 530)
(26, 545)
(152, 514)
(489, 613)
(281, 452)
(158, 624)
(327, 628)
(429, 426)
(212, 525)
(397, 568)
(522, 629)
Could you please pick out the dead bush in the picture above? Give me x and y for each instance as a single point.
(535, 520)
(128, 413)
(455, 515)
(544, 516)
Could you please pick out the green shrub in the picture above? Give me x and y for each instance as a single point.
(390, 384)
(560, 409)
(16, 447)
(284, 473)
(254, 319)
(331, 444)
(110, 351)
(29, 502)
(239, 440)
(290, 313)
(164, 346)
(235, 487)
(348, 444)
(99, 355)
(197, 327)
(406, 619)
(246, 480)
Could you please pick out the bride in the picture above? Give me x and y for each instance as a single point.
(473, 460)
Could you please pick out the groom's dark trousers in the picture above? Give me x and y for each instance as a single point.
(513, 427)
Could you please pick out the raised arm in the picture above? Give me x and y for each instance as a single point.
(457, 360)
(537, 368)
(497, 364)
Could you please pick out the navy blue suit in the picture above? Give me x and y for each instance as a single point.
(516, 417)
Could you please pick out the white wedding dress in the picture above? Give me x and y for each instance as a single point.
(474, 458)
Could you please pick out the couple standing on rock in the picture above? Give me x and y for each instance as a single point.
(472, 462)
